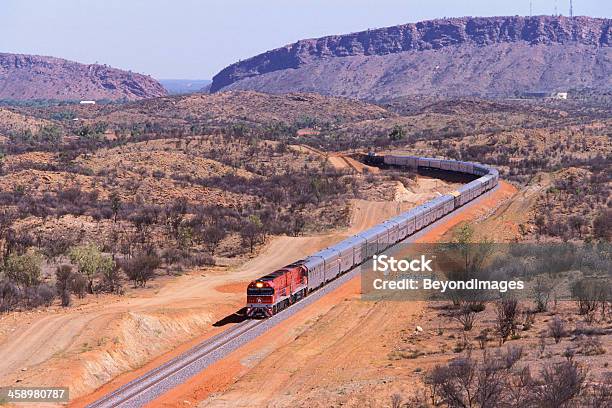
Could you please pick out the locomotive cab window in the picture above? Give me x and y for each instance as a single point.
(260, 291)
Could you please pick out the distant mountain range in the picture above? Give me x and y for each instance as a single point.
(495, 56)
(184, 86)
(25, 77)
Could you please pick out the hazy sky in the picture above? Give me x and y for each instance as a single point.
(195, 39)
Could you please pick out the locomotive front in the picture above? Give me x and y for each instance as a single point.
(260, 299)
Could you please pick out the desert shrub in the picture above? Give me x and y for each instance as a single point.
(556, 328)
(528, 319)
(510, 356)
(477, 307)
(560, 384)
(111, 280)
(598, 395)
(483, 337)
(41, 295)
(396, 401)
(418, 399)
(211, 236)
(507, 312)
(10, 295)
(19, 242)
(499, 380)
(140, 268)
(78, 284)
(56, 245)
(465, 316)
(590, 346)
(173, 255)
(587, 293)
(589, 331)
(199, 259)
(464, 382)
(542, 289)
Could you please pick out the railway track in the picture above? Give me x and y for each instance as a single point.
(158, 381)
(141, 385)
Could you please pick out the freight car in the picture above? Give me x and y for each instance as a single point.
(278, 290)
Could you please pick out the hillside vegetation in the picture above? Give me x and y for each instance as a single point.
(164, 184)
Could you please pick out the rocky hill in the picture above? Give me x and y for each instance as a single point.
(35, 77)
(457, 56)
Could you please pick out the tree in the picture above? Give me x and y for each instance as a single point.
(540, 222)
(464, 260)
(299, 222)
(115, 202)
(56, 245)
(7, 217)
(576, 222)
(63, 278)
(51, 134)
(25, 270)
(397, 133)
(91, 262)
(211, 237)
(175, 214)
(251, 231)
(542, 289)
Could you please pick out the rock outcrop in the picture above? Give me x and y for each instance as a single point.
(489, 55)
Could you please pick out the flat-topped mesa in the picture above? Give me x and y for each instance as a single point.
(423, 36)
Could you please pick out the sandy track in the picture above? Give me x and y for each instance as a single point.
(338, 160)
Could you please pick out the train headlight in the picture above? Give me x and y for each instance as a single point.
(259, 285)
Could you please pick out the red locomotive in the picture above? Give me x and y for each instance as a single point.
(272, 293)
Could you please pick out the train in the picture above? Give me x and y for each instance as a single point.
(278, 290)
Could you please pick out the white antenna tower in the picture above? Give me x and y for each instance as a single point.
(530, 8)
(571, 8)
